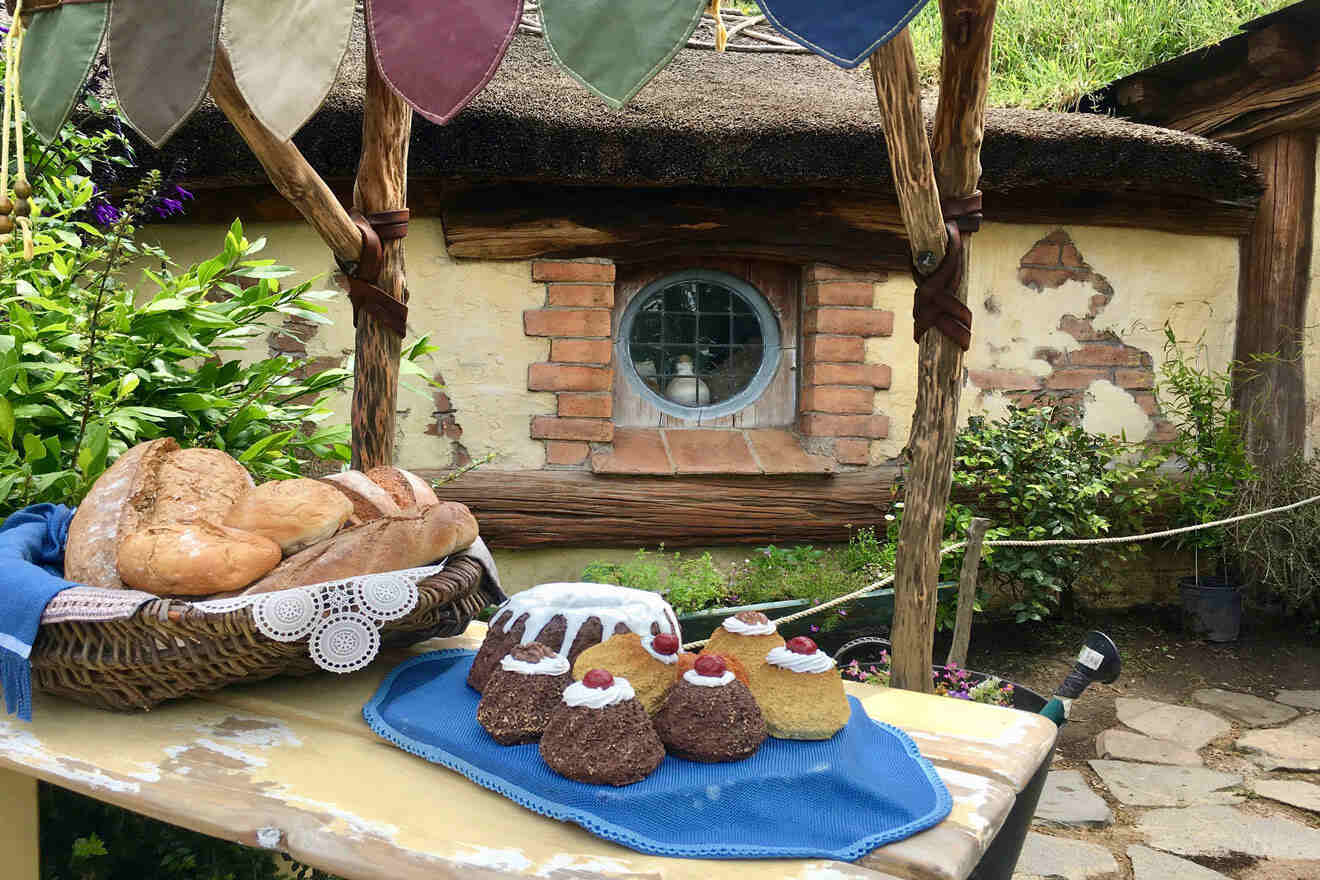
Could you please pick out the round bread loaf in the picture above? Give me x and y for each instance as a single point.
(105, 515)
(193, 484)
(194, 558)
(369, 501)
(409, 491)
(293, 513)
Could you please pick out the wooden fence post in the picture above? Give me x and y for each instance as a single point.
(959, 128)
(962, 627)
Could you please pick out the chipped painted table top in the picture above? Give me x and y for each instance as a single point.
(290, 765)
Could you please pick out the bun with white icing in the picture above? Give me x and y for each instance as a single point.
(520, 697)
(569, 618)
(747, 637)
(649, 663)
(600, 734)
(710, 716)
(800, 692)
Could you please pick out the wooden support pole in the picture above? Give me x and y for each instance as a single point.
(962, 627)
(1270, 393)
(285, 166)
(381, 185)
(959, 127)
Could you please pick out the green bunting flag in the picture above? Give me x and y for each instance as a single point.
(615, 48)
(59, 49)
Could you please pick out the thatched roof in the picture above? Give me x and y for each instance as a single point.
(732, 119)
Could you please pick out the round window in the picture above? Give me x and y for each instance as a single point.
(699, 344)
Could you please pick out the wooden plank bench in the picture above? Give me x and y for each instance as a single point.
(290, 766)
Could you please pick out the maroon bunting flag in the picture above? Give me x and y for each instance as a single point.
(438, 54)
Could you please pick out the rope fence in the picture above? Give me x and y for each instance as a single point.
(1052, 542)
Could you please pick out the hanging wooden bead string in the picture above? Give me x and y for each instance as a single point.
(16, 212)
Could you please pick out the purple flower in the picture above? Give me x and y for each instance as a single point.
(169, 207)
(106, 214)
(182, 193)
(815, 628)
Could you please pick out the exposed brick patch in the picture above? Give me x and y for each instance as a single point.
(852, 450)
(445, 425)
(593, 296)
(569, 377)
(834, 349)
(875, 427)
(591, 406)
(855, 322)
(571, 270)
(566, 453)
(837, 399)
(591, 430)
(566, 322)
(1101, 355)
(840, 293)
(826, 272)
(867, 375)
(581, 351)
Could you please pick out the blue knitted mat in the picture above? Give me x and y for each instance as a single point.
(837, 799)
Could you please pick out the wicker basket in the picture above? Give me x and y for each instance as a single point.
(170, 649)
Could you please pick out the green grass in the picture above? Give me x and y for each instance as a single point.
(1052, 53)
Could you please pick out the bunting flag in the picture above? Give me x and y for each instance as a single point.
(844, 31)
(161, 54)
(60, 48)
(615, 48)
(438, 54)
(286, 55)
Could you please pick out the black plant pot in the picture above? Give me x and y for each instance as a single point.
(1212, 608)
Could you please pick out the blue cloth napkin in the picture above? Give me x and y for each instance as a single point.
(32, 566)
(844, 31)
(836, 799)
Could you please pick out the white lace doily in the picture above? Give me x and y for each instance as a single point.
(341, 620)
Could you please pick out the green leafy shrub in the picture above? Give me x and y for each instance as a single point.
(1037, 475)
(1209, 449)
(1278, 556)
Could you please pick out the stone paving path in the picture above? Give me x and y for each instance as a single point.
(1155, 811)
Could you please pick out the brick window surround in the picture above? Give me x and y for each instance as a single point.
(832, 428)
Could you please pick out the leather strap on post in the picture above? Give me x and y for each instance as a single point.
(937, 304)
(362, 289)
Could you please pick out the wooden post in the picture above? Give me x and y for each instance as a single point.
(288, 170)
(18, 826)
(382, 185)
(962, 627)
(1276, 269)
(959, 126)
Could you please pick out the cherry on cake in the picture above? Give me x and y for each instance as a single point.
(650, 663)
(600, 734)
(522, 693)
(800, 692)
(710, 716)
(746, 637)
(568, 619)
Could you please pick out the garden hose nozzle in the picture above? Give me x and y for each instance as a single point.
(1097, 661)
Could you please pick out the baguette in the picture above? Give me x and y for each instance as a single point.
(408, 490)
(370, 501)
(386, 544)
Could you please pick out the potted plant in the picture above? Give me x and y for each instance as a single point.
(1211, 458)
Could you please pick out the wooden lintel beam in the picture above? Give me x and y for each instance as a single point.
(1254, 127)
(538, 509)
(290, 173)
(1280, 52)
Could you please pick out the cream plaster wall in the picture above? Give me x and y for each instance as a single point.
(1189, 281)
(472, 311)
(1311, 352)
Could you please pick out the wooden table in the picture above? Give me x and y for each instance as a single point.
(289, 765)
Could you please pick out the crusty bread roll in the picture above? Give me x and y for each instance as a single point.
(386, 544)
(409, 491)
(369, 500)
(293, 513)
(193, 484)
(106, 514)
(194, 558)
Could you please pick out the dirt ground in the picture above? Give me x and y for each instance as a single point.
(1159, 663)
